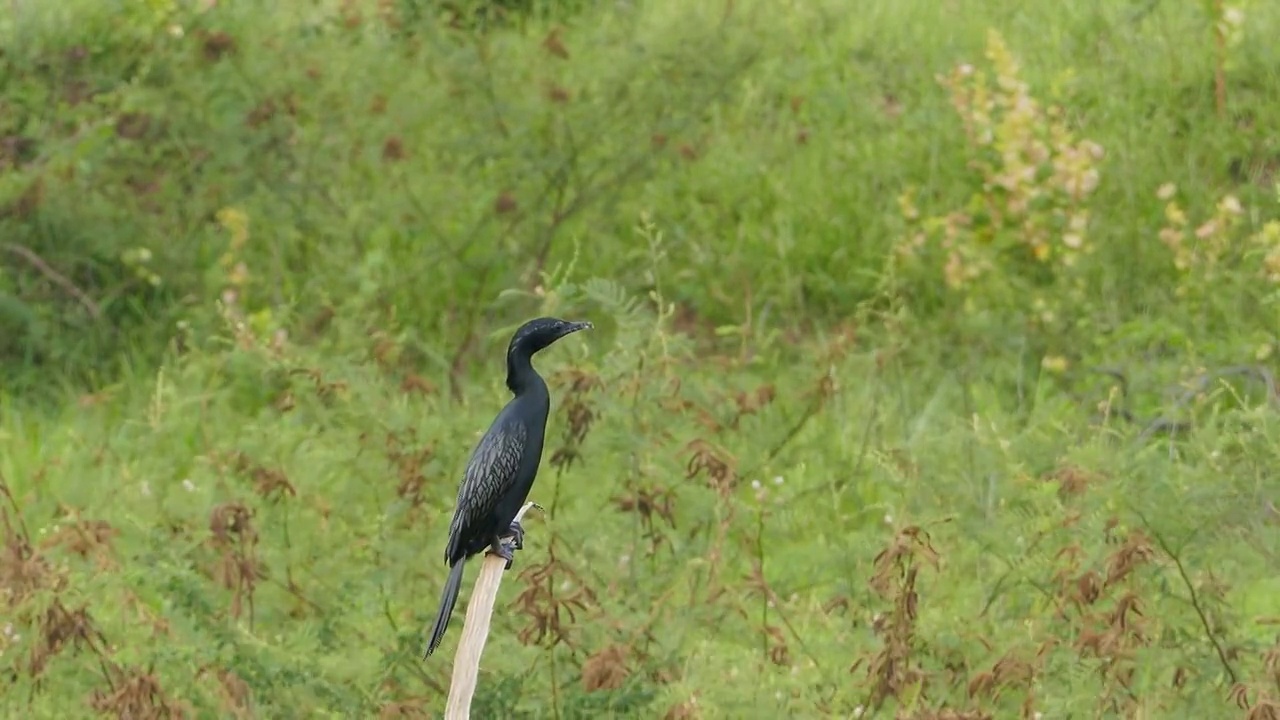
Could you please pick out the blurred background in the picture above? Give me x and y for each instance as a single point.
(932, 377)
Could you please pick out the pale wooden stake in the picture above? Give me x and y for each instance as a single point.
(475, 631)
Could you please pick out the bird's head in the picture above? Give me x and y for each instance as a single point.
(541, 332)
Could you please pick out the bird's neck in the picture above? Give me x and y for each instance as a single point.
(521, 377)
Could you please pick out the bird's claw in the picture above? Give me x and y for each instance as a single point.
(505, 547)
(502, 550)
(517, 535)
(507, 552)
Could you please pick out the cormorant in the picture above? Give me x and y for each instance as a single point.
(503, 466)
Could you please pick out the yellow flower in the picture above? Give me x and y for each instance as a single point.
(235, 222)
(1054, 363)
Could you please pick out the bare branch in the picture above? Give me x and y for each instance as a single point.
(55, 277)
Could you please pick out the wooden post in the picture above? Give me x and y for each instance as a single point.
(475, 631)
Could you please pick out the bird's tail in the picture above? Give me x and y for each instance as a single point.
(451, 587)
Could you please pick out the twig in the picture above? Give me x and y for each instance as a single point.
(1198, 384)
(475, 630)
(1201, 383)
(55, 277)
(1195, 598)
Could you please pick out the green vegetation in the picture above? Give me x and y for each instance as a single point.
(933, 375)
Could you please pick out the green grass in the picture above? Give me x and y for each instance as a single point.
(813, 480)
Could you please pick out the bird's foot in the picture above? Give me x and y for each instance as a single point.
(517, 535)
(504, 551)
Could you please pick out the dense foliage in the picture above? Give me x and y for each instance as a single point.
(933, 377)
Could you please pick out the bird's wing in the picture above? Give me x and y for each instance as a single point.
(489, 474)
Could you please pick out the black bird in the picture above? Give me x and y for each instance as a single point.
(503, 466)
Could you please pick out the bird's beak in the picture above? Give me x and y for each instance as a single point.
(574, 327)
